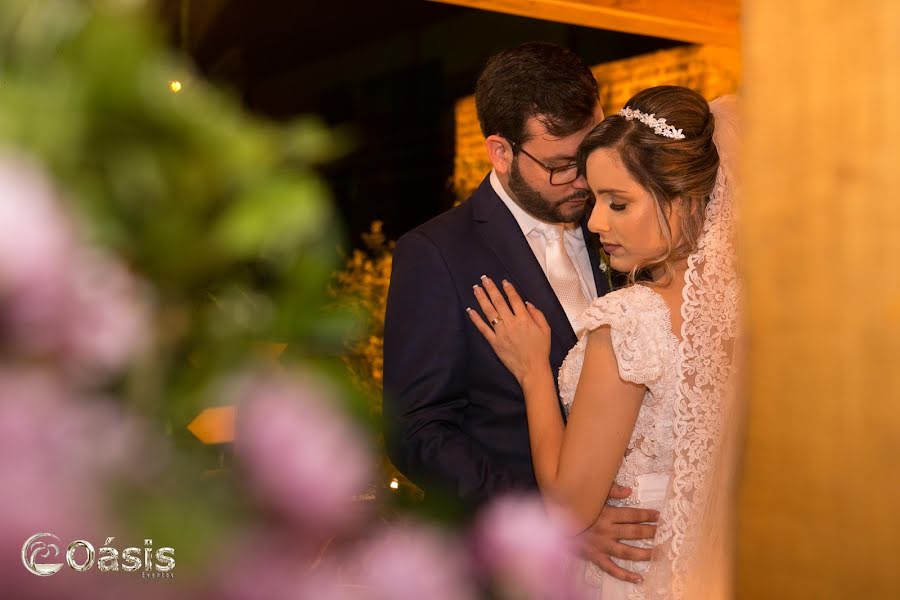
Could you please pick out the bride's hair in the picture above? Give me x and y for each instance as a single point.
(667, 168)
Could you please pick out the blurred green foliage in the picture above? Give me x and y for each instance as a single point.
(221, 212)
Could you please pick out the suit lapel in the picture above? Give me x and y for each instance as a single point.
(500, 231)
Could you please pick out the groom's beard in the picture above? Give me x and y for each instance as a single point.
(534, 204)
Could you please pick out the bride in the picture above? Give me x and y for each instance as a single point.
(651, 378)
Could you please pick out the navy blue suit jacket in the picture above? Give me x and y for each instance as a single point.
(454, 416)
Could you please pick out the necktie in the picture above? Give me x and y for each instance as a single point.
(562, 273)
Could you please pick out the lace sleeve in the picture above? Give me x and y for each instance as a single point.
(638, 322)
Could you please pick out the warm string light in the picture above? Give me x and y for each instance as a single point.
(395, 485)
(174, 86)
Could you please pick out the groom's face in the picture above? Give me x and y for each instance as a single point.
(529, 181)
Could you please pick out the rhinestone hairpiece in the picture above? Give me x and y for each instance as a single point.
(659, 125)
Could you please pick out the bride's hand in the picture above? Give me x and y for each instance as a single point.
(518, 332)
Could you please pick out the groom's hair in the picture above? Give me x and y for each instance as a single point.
(536, 79)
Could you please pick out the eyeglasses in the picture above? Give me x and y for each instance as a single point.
(558, 175)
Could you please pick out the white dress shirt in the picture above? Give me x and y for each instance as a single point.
(573, 239)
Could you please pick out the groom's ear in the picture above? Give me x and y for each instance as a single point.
(499, 152)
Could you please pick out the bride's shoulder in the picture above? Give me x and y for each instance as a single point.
(637, 320)
(624, 308)
(636, 296)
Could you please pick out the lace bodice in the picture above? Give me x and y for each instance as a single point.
(647, 353)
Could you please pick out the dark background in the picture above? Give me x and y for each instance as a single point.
(389, 69)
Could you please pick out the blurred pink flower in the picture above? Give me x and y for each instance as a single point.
(109, 318)
(36, 249)
(266, 563)
(44, 454)
(402, 562)
(526, 551)
(58, 453)
(302, 455)
(407, 562)
(59, 298)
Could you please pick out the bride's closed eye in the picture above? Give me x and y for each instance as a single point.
(616, 206)
(612, 198)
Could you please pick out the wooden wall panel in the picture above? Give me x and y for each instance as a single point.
(697, 21)
(819, 499)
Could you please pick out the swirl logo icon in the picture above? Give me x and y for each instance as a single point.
(35, 548)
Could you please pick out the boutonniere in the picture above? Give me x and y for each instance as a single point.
(605, 268)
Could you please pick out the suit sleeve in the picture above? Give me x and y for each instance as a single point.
(426, 378)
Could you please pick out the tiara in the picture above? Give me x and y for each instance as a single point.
(659, 125)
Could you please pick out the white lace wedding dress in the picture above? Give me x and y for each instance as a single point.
(682, 456)
(646, 350)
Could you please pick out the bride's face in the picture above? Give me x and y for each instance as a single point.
(625, 215)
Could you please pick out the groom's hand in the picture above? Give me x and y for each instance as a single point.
(603, 539)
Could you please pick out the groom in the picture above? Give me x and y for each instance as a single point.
(454, 416)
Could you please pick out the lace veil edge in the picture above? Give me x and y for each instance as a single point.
(695, 561)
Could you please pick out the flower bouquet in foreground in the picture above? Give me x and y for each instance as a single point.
(154, 247)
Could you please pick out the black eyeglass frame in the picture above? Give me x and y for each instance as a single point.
(552, 170)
